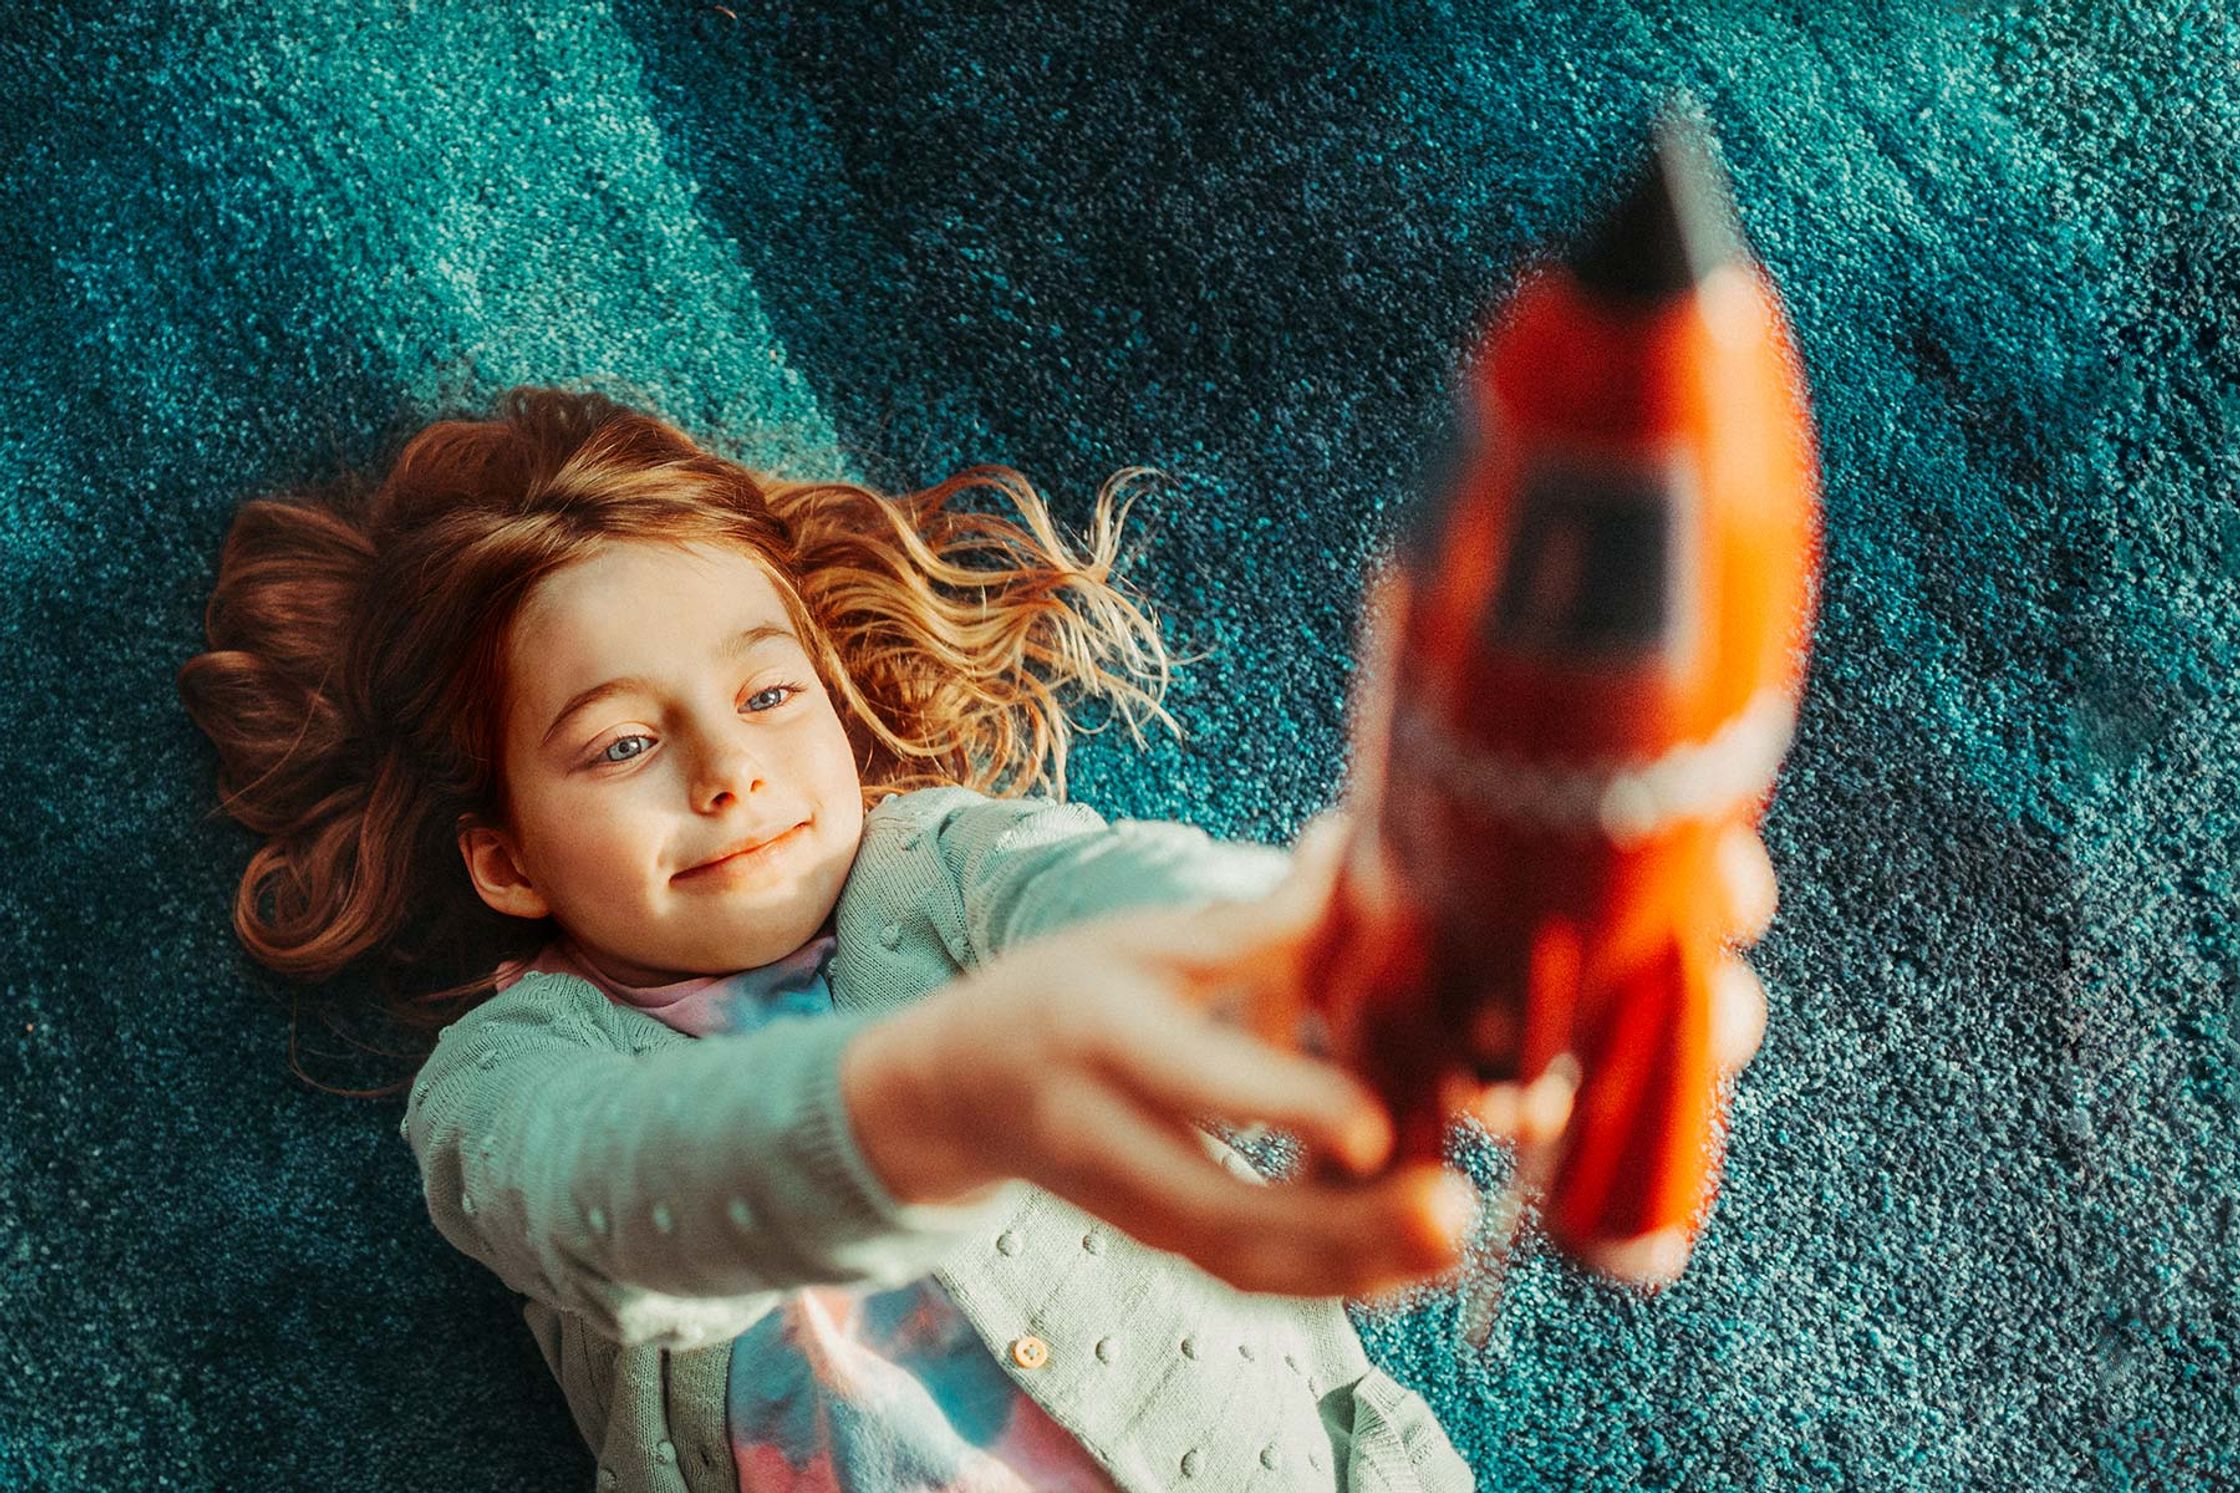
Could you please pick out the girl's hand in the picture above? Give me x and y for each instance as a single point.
(1079, 1061)
(1535, 1114)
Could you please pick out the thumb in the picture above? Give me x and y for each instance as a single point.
(1317, 860)
(1263, 937)
(1211, 938)
(1242, 960)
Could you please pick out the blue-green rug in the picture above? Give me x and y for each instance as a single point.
(1979, 1224)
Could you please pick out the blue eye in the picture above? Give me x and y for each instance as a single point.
(762, 700)
(787, 690)
(608, 754)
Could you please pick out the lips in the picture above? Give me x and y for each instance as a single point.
(743, 848)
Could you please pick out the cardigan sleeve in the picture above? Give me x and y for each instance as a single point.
(1027, 866)
(667, 1192)
(1388, 1439)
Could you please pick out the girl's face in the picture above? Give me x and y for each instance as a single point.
(684, 799)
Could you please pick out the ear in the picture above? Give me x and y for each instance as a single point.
(494, 866)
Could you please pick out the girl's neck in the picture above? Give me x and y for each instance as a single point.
(602, 974)
(569, 953)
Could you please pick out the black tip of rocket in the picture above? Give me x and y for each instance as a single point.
(1674, 227)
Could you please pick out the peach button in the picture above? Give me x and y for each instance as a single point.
(1030, 1352)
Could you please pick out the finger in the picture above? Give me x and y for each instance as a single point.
(1383, 629)
(1321, 846)
(1159, 1186)
(1530, 1114)
(1738, 1013)
(1188, 1065)
(1746, 874)
(1298, 903)
(1216, 939)
(1238, 953)
(1649, 1260)
(1340, 914)
(1241, 960)
(1280, 927)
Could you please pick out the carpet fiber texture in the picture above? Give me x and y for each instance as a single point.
(1979, 1223)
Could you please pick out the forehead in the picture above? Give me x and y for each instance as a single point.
(632, 605)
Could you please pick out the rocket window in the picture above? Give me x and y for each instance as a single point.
(1595, 565)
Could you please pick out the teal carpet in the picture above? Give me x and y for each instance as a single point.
(1979, 1226)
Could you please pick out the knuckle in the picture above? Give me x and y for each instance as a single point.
(1319, 1264)
(1260, 1261)
(1362, 1274)
(1244, 1247)
(1069, 1149)
(1040, 1115)
(1070, 1029)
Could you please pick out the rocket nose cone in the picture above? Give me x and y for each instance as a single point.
(1673, 227)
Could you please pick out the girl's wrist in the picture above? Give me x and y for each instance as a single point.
(892, 1085)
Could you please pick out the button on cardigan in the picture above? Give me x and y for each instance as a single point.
(551, 1122)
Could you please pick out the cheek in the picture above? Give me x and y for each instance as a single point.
(839, 802)
(830, 757)
(590, 836)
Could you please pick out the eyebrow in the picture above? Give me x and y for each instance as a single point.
(739, 645)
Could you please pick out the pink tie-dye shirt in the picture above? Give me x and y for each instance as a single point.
(846, 1389)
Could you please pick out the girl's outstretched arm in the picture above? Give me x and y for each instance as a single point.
(667, 1195)
(1082, 1047)
(1081, 1060)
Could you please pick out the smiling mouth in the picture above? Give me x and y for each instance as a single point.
(741, 858)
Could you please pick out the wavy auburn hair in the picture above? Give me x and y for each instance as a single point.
(356, 682)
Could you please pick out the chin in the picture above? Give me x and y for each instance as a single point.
(766, 946)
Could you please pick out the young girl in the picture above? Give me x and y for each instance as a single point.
(839, 1110)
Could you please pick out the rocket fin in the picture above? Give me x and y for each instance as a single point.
(1551, 999)
(1646, 1123)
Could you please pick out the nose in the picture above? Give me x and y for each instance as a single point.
(726, 768)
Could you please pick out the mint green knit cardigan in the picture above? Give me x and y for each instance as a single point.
(650, 1194)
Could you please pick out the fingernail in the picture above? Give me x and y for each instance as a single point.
(1367, 1138)
(1545, 1107)
(1454, 1207)
(1499, 1110)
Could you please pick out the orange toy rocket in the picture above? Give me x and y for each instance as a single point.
(1591, 673)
